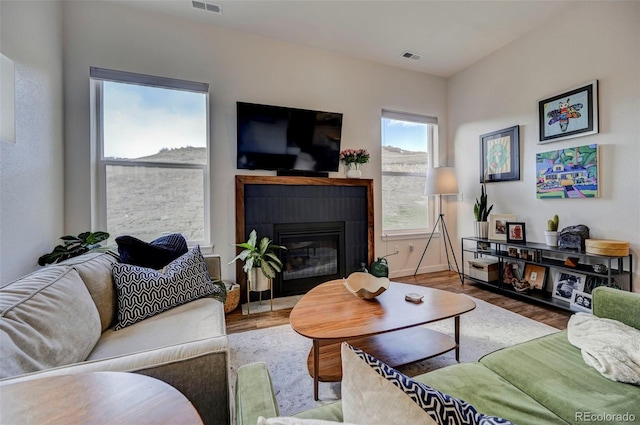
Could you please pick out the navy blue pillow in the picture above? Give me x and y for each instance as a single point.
(155, 254)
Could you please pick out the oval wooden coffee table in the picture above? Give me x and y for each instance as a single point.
(387, 327)
(95, 398)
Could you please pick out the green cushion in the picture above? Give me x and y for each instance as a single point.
(551, 371)
(618, 305)
(254, 394)
(488, 393)
(328, 412)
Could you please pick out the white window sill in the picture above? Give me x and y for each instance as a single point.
(408, 235)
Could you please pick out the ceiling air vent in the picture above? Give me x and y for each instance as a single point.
(210, 7)
(410, 55)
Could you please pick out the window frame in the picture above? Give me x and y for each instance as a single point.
(99, 163)
(432, 208)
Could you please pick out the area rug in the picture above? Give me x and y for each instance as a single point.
(279, 303)
(483, 330)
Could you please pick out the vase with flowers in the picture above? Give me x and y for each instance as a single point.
(352, 158)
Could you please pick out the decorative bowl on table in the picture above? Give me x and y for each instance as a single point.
(365, 285)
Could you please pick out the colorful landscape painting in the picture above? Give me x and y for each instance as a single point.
(568, 173)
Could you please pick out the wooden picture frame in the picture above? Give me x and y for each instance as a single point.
(535, 275)
(500, 155)
(565, 283)
(498, 225)
(581, 301)
(516, 232)
(573, 113)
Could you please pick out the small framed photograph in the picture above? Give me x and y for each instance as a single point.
(500, 155)
(535, 275)
(572, 113)
(581, 301)
(516, 232)
(498, 225)
(565, 283)
(513, 252)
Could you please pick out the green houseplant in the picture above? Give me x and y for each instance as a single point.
(74, 246)
(481, 213)
(551, 234)
(260, 261)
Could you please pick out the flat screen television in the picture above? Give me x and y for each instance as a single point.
(287, 139)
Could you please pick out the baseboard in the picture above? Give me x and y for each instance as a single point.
(424, 269)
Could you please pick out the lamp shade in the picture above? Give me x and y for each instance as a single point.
(441, 181)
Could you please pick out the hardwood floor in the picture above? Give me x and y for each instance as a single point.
(446, 280)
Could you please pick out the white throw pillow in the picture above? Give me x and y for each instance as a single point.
(375, 394)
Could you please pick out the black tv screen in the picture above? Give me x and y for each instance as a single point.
(279, 138)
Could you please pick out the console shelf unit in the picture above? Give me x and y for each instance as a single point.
(553, 259)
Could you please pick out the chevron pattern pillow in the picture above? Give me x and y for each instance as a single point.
(384, 397)
(144, 292)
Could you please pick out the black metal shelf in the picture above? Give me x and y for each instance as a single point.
(550, 258)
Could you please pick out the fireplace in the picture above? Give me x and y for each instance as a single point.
(265, 203)
(315, 253)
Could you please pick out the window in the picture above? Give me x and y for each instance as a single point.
(151, 145)
(407, 151)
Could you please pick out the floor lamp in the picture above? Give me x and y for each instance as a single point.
(441, 181)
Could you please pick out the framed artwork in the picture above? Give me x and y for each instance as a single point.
(568, 173)
(498, 225)
(500, 155)
(581, 301)
(565, 283)
(516, 232)
(535, 275)
(573, 113)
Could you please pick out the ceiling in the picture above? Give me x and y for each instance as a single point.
(448, 35)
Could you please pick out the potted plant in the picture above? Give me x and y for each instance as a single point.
(260, 261)
(74, 246)
(551, 234)
(481, 214)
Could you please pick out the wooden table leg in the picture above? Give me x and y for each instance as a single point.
(316, 367)
(457, 337)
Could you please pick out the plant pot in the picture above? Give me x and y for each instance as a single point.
(482, 229)
(353, 171)
(551, 237)
(258, 282)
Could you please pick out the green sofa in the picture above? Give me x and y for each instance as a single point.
(543, 381)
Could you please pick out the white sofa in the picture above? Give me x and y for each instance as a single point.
(59, 320)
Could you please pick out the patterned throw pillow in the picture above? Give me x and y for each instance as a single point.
(144, 292)
(155, 254)
(373, 392)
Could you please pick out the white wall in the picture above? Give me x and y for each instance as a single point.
(239, 67)
(590, 41)
(31, 171)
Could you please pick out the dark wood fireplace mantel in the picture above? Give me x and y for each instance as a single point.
(243, 181)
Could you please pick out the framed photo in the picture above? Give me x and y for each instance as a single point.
(500, 155)
(565, 283)
(568, 173)
(516, 232)
(535, 275)
(581, 301)
(498, 225)
(573, 113)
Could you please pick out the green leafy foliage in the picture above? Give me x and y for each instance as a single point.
(261, 255)
(73, 246)
(480, 210)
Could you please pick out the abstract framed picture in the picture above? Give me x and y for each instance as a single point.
(568, 173)
(500, 155)
(516, 232)
(498, 225)
(573, 113)
(565, 283)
